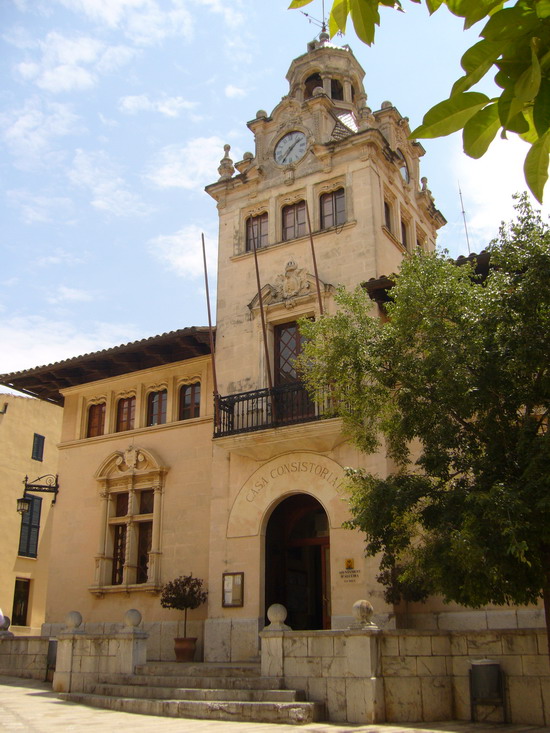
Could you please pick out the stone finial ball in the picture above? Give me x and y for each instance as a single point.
(5, 622)
(261, 113)
(363, 612)
(387, 104)
(277, 613)
(132, 617)
(73, 620)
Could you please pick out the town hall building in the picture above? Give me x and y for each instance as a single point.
(246, 491)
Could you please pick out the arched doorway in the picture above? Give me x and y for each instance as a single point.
(297, 567)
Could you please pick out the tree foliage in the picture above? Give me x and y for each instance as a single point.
(455, 386)
(515, 45)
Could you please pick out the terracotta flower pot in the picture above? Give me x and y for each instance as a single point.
(185, 648)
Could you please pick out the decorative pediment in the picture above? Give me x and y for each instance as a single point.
(130, 461)
(290, 287)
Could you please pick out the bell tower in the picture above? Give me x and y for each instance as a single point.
(323, 156)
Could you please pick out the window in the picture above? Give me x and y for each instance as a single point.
(156, 407)
(131, 530)
(336, 89)
(130, 539)
(190, 401)
(294, 220)
(404, 234)
(403, 167)
(387, 215)
(21, 602)
(30, 527)
(311, 83)
(126, 413)
(333, 209)
(256, 232)
(38, 447)
(96, 420)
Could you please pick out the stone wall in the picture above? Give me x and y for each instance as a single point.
(374, 676)
(24, 656)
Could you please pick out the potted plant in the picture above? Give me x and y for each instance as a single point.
(184, 593)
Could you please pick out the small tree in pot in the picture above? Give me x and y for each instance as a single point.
(183, 593)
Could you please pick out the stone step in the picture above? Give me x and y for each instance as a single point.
(296, 713)
(196, 682)
(194, 693)
(200, 669)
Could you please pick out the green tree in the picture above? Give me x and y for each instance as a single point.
(455, 384)
(515, 44)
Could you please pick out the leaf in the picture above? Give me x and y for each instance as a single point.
(477, 61)
(472, 10)
(338, 17)
(527, 86)
(509, 23)
(450, 115)
(542, 8)
(509, 107)
(480, 130)
(541, 108)
(433, 5)
(365, 17)
(298, 4)
(535, 167)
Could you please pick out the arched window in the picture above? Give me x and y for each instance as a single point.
(311, 83)
(190, 401)
(387, 216)
(125, 414)
(294, 220)
(156, 407)
(333, 209)
(256, 232)
(336, 89)
(403, 167)
(96, 420)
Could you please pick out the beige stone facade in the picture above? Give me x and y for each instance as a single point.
(25, 561)
(257, 510)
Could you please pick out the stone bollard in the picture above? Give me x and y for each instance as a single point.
(362, 613)
(277, 614)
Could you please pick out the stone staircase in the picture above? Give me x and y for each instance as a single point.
(213, 691)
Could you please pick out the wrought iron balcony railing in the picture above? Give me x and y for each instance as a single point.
(264, 408)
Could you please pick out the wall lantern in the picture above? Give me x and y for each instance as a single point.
(47, 484)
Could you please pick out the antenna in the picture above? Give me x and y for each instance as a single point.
(319, 23)
(464, 218)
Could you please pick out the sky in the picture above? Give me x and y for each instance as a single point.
(113, 118)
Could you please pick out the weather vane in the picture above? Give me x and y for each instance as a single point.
(319, 23)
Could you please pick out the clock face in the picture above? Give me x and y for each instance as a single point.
(290, 148)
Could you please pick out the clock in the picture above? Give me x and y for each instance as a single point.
(290, 148)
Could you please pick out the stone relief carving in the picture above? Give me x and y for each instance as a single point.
(291, 283)
(129, 459)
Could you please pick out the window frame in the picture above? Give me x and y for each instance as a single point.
(298, 227)
(261, 222)
(38, 442)
(125, 422)
(29, 533)
(194, 406)
(95, 426)
(157, 407)
(337, 199)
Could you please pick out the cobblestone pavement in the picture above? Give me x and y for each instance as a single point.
(28, 706)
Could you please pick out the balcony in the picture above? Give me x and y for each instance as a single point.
(260, 409)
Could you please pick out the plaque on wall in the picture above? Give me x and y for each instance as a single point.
(233, 589)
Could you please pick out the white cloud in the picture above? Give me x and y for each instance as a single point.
(63, 294)
(36, 208)
(71, 64)
(234, 92)
(168, 106)
(61, 256)
(488, 185)
(109, 192)
(145, 22)
(182, 252)
(37, 340)
(231, 15)
(29, 132)
(191, 166)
